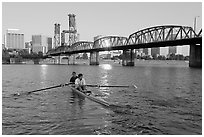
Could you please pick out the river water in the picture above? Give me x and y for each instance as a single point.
(168, 100)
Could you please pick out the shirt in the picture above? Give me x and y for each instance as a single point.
(72, 80)
(79, 82)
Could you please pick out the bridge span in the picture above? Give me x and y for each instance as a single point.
(157, 36)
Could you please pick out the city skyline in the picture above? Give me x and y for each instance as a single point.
(94, 21)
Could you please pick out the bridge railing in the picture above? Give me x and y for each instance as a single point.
(109, 41)
(161, 33)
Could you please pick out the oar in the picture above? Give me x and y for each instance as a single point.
(60, 85)
(122, 86)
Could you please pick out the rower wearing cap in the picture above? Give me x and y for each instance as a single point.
(80, 83)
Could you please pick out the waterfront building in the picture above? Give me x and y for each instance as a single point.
(155, 52)
(173, 50)
(139, 52)
(49, 43)
(39, 43)
(14, 39)
(164, 51)
(28, 46)
(63, 38)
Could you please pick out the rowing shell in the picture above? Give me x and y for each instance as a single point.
(91, 97)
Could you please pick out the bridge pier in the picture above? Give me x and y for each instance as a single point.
(94, 58)
(195, 59)
(128, 57)
(57, 60)
(71, 60)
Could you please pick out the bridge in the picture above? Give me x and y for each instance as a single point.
(157, 36)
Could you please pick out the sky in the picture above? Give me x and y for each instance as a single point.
(92, 19)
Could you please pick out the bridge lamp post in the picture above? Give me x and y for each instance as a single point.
(195, 22)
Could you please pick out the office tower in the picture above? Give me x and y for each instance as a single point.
(14, 39)
(72, 29)
(57, 35)
(40, 44)
(49, 43)
(63, 38)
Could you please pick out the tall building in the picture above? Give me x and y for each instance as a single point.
(28, 46)
(172, 50)
(63, 38)
(49, 43)
(14, 39)
(72, 29)
(57, 35)
(155, 52)
(39, 43)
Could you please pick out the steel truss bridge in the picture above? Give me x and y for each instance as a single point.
(158, 36)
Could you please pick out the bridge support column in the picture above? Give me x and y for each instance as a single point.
(128, 57)
(57, 60)
(195, 59)
(68, 58)
(73, 59)
(94, 58)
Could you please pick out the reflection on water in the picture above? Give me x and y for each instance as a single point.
(43, 74)
(104, 80)
(168, 100)
(106, 66)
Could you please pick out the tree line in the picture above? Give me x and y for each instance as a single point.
(19, 55)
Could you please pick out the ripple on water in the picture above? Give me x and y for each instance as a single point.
(168, 100)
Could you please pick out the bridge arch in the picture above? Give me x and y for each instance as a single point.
(109, 41)
(81, 45)
(161, 33)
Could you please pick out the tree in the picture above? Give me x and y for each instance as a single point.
(5, 56)
(160, 57)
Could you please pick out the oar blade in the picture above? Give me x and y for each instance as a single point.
(135, 86)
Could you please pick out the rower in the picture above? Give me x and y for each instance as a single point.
(80, 84)
(73, 78)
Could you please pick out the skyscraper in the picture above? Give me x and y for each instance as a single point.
(63, 38)
(39, 43)
(49, 43)
(14, 39)
(57, 35)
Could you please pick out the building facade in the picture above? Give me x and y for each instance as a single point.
(145, 51)
(49, 43)
(172, 50)
(14, 40)
(28, 46)
(155, 52)
(40, 43)
(56, 35)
